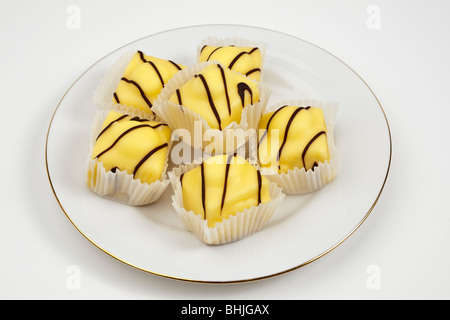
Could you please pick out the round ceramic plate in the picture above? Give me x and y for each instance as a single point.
(303, 228)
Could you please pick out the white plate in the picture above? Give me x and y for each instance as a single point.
(303, 229)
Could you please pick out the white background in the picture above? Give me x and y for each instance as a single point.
(405, 62)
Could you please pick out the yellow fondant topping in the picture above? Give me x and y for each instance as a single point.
(134, 145)
(143, 80)
(218, 94)
(246, 60)
(293, 137)
(223, 186)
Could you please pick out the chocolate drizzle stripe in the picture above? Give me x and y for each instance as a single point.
(181, 179)
(110, 124)
(242, 87)
(268, 123)
(141, 55)
(309, 144)
(259, 185)
(240, 55)
(210, 99)
(226, 88)
(116, 98)
(137, 119)
(157, 72)
(120, 137)
(175, 64)
(227, 172)
(148, 155)
(140, 90)
(180, 102)
(286, 132)
(202, 171)
(252, 71)
(209, 57)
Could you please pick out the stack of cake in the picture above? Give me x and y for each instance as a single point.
(251, 154)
